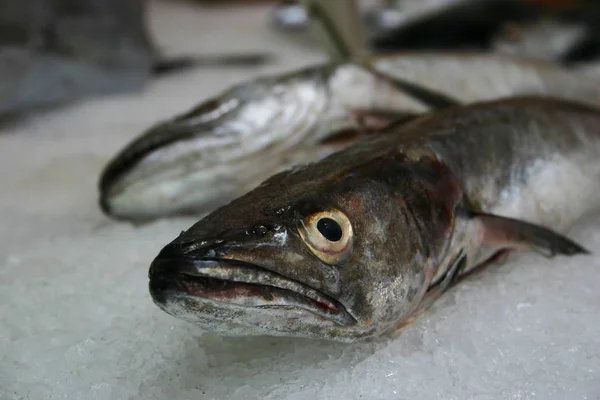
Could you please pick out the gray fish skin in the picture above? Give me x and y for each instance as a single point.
(416, 209)
(228, 145)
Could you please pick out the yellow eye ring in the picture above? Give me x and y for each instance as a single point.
(328, 234)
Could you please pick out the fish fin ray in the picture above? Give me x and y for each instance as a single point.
(512, 233)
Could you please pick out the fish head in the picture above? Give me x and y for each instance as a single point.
(203, 158)
(314, 252)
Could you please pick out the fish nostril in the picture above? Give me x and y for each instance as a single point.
(198, 248)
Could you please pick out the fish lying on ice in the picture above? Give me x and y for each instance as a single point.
(229, 144)
(360, 243)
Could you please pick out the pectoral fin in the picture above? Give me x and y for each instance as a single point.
(511, 233)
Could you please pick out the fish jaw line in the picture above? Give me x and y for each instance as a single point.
(153, 188)
(169, 190)
(158, 199)
(237, 284)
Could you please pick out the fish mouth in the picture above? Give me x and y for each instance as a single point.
(239, 284)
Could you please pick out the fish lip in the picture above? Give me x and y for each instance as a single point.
(104, 203)
(217, 279)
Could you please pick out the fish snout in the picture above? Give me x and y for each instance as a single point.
(180, 256)
(167, 269)
(104, 203)
(165, 263)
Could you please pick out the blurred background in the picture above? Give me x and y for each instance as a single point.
(56, 51)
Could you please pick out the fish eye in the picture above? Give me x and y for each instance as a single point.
(328, 235)
(330, 229)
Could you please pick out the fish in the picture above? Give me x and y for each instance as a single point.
(359, 244)
(196, 161)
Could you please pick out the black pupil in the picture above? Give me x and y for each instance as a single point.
(330, 229)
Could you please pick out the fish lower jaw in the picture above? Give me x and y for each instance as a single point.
(254, 292)
(234, 297)
(152, 203)
(232, 320)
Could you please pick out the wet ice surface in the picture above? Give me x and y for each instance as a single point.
(78, 323)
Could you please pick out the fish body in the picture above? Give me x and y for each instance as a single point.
(227, 145)
(361, 242)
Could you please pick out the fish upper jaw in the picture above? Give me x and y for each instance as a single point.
(235, 283)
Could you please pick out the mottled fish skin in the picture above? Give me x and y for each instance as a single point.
(228, 145)
(417, 208)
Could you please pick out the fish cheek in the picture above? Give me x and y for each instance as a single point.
(384, 276)
(359, 275)
(382, 298)
(404, 275)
